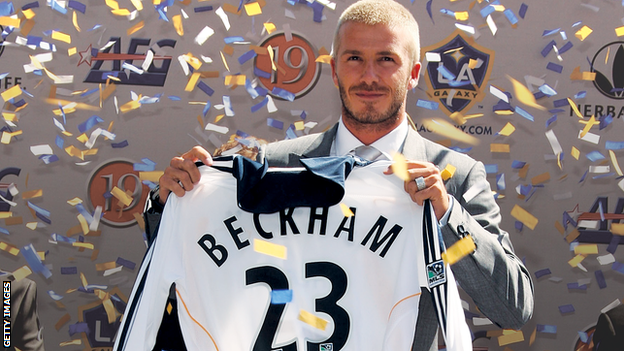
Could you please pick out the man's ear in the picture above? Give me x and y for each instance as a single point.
(332, 63)
(414, 75)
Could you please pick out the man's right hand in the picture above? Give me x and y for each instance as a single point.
(182, 173)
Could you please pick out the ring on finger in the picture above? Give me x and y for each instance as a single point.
(420, 183)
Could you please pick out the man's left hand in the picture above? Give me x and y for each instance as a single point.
(434, 186)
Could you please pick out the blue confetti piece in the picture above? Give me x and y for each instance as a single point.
(59, 142)
(511, 16)
(128, 264)
(275, 123)
(614, 145)
(567, 46)
(242, 134)
(430, 105)
(250, 90)
(542, 272)
(584, 176)
(78, 6)
(34, 261)
(613, 244)
(174, 98)
(33, 40)
(544, 328)
(551, 120)
(576, 286)
(518, 225)
(202, 9)
(583, 336)
(561, 103)
(548, 48)
(281, 297)
(89, 123)
(580, 95)
(261, 91)
(58, 8)
(147, 161)
(318, 11)
(89, 92)
(595, 156)
(290, 133)
(139, 167)
(605, 121)
(515, 164)
(38, 72)
(105, 75)
(554, 67)
(230, 40)
(79, 327)
(618, 267)
(446, 73)
(491, 169)
(38, 209)
(524, 114)
(461, 150)
(284, 94)
(259, 105)
(150, 184)
(447, 12)
(47, 159)
(4, 231)
(523, 10)
(500, 182)
(246, 56)
(429, 10)
(261, 74)
(546, 89)
(550, 32)
(69, 270)
(30, 5)
(6, 8)
(206, 108)
(205, 88)
(602, 283)
(575, 24)
(486, 11)
(566, 309)
(120, 145)
(605, 175)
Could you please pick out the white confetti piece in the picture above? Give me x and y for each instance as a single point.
(41, 150)
(216, 128)
(606, 259)
(205, 33)
(224, 18)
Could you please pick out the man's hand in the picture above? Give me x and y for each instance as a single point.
(182, 174)
(434, 186)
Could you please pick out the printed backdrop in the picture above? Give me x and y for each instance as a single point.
(99, 95)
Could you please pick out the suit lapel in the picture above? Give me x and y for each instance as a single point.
(322, 145)
(414, 147)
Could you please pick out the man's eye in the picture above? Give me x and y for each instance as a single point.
(353, 58)
(387, 58)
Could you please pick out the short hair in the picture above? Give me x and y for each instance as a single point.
(387, 12)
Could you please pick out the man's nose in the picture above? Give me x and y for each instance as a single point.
(370, 74)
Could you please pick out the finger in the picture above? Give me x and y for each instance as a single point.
(184, 165)
(169, 185)
(198, 153)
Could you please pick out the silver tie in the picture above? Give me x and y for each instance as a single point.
(369, 153)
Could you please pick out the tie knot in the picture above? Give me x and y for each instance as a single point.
(367, 152)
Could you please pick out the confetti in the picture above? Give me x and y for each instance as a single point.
(281, 297)
(459, 250)
(524, 217)
(399, 166)
(583, 33)
(270, 249)
(312, 320)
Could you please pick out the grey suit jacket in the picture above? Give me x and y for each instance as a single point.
(25, 325)
(492, 276)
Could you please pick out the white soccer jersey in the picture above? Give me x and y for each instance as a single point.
(299, 279)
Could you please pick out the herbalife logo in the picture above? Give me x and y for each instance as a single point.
(608, 64)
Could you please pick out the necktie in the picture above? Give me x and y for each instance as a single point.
(366, 152)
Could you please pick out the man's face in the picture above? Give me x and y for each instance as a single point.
(373, 71)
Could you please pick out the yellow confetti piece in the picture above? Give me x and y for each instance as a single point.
(137, 27)
(225, 62)
(41, 255)
(10, 93)
(458, 118)
(238, 79)
(615, 163)
(110, 310)
(177, 24)
(617, 228)
(299, 125)
(121, 12)
(507, 130)
(585, 75)
(576, 260)
(9, 116)
(461, 16)
(346, 211)
(83, 279)
(448, 172)
(531, 339)
(270, 27)
(83, 245)
(75, 21)
(586, 249)
(129, 106)
(271, 53)
(31, 225)
(494, 147)
(538, 179)
(83, 224)
(459, 250)
(4, 214)
(592, 121)
(253, 9)
(9, 248)
(575, 108)
(72, 51)
(152, 176)
(29, 13)
(511, 338)
(524, 95)
(27, 27)
(22, 273)
(524, 216)
(138, 4)
(121, 196)
(560, 228)
(399, 167)
(446, 129)
(218, 118)
(9, 21)
(312, 320)
(583, 33)
(66, 38)
(71, 342)
(270, 249)
(75, 201)
(573, 235)
(104, 266)
(6, 136)
(619, 31)
(575, 153)
(192, 82)
(324, 59)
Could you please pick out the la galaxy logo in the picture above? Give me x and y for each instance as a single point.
(608, 62)
(152, 76)
(464, 67)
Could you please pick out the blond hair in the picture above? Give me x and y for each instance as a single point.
(386, 12)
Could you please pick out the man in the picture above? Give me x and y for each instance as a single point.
(374, 63)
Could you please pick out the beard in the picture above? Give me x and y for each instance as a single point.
(369, 116)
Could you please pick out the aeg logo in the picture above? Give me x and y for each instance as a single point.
(608, 62)
(297, 71)
(153, 76)
(456, 81)
(121, 174)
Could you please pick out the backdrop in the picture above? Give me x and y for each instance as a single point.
(100, 95)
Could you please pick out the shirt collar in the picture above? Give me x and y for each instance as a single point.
(388, 144)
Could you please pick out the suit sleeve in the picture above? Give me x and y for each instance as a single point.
(493, 275)
(26, 326)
